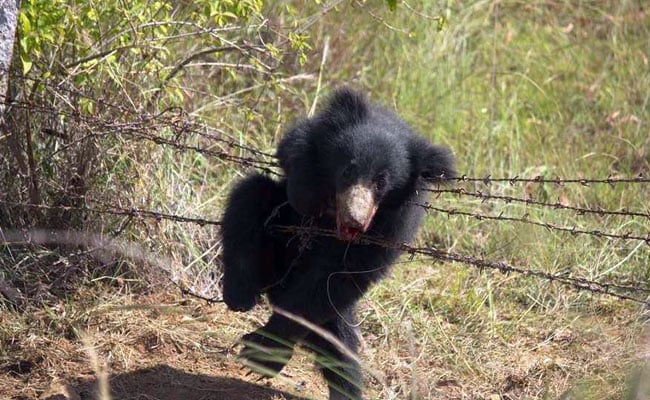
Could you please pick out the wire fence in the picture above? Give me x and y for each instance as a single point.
(173, 127)
(531, 201)
(620, 291)
(610, 180)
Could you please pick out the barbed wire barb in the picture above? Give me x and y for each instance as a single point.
(488, 179)
(580, 284)
(558, 205)
(525, 219)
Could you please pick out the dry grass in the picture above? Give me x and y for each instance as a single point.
(152, 345)
(416, 349)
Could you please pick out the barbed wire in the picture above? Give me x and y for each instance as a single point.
(143, 213)
(115, 210)
(257, 163)
(530, 201)
(138, 126)
(580, 284)
(610, 180)
(179, 122)
(524, 219)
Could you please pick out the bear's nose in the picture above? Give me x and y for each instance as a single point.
(356, 206)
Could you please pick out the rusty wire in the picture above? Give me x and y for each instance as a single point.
(524, 219)
(174, 119)
(580, 284)
(112, 209)
(138, 125)
(531, 201)
(610, 180)
(147, 127)
(115, 210)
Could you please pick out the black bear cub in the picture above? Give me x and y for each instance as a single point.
(355, 169)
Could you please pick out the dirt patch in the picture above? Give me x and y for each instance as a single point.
(160, 346)
(163, 382)
(153, 347)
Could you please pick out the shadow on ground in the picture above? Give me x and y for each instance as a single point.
(165, 383)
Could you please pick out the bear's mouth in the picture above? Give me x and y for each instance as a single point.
(346, 233)
(355, 208)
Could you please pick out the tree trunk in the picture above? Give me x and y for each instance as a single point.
(8, 20)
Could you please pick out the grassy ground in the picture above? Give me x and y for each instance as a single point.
(552, 88)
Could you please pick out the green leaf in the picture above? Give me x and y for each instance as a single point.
(25, 24)
(25, 44)
(392, 4)
(27, 63)
(442, 23)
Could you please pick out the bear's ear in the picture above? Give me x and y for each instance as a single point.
(433, 163)
(346, 107)
(306, 191)
(293, 146)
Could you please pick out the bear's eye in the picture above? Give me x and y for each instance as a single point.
(380, 182)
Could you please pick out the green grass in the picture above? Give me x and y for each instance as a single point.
(519, 88)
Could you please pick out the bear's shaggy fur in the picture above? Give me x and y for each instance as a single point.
(353, 168)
